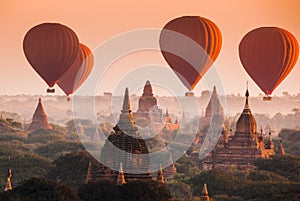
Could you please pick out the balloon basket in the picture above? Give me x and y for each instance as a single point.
(50, 90)
(267, 98)
(69, 99)
(190, 94)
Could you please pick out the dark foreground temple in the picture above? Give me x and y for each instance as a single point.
(123, 151)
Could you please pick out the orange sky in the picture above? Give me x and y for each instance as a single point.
(97, 21)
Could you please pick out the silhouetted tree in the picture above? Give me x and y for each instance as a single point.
(38, 189)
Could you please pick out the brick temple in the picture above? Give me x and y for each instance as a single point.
(242, 148)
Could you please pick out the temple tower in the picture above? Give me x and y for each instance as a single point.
(39, 119)
(214, 106)
(148, 110)
(124, 146)
(241, 149)
(213, 109)
(147, 101)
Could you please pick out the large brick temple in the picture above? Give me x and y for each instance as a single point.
(123, 151)
(243, 147)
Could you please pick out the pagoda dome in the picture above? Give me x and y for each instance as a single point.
(246, 122)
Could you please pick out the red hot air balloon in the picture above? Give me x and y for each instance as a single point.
(190, 45)
(268, 54)
(78, 72)
(51, 49)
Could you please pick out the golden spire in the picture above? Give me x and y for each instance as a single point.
(160, 176)
(121, 178)
(204, 196)
(8, 186)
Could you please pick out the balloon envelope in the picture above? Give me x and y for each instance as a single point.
(78, 72)
(268, 54)
(50, 48)
(190, 45)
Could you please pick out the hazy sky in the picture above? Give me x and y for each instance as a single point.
(97, 21)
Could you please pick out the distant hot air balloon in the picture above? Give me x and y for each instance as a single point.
(268, 54)
(192, 50)
(51, 49)
(78, 72)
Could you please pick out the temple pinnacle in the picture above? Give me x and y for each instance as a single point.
(126, 102)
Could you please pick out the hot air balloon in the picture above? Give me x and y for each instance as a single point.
(190, 45)
(78, 72)
(51, 49)
(268, 54)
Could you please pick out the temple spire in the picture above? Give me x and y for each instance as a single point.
(121, 178)
(281, 149)
(169, 171)
(247, 97)
(167, 112)
(126, 102)
(262, 134)
(214, 93)
(89, 176)
(160, 176)
(214, 106)
(126, 122)
(8, 186)
(270, 144)
(147, 89)
(204, 194)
